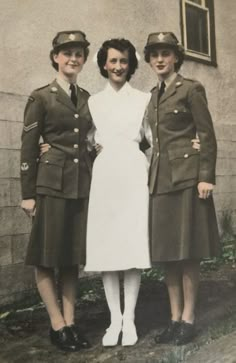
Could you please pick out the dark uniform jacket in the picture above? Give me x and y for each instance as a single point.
(182, 112)
(65, 170)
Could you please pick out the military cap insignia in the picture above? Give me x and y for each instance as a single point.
(30, 127)
(161, 36)
(72, 37)
(24, 166)
(54, 89)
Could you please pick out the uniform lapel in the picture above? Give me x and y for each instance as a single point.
(81, 99)
(154, 97)
(153, 106)
(172, 88)
(61, 95)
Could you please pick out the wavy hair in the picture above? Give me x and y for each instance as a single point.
(122, 45)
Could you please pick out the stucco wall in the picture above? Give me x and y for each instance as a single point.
(27, 28)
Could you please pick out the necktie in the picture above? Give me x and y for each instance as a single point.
(161, 90)
(73, 95)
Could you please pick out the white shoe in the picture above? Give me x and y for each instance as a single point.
(111, 337)
(129, 333)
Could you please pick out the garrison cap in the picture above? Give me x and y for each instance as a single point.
(70, 37)
(164, 39)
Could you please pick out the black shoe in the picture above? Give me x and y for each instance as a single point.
(64, 339)
(79, 338)
(185, 334)
(169, 333)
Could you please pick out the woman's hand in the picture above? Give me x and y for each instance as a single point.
(28, 206)
(196, 144)
(98, 148)
(205, 190)
(44, 148)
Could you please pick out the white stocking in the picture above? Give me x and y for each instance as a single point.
(112, 290)
(132, 280)
(111, 285)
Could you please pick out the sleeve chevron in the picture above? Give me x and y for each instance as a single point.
(30, 127)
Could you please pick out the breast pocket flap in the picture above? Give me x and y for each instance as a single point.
(50, 169)
(184, 164)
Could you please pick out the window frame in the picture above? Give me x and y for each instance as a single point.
(209, 59)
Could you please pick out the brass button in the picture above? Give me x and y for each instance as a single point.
(185, 156)
(176, 111)
(76, 146)
(76, 130)
(76, 160)
(76, 115)
(46, 161)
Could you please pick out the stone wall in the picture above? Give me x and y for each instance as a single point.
(15, 278)
(27, 28)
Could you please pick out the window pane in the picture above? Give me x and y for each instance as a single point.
(197, 33)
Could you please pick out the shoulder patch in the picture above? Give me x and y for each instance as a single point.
(24, 166)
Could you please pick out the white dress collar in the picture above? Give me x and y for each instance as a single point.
(125, 89)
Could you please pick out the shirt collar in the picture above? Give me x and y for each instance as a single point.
(65, 85)
(169, 80)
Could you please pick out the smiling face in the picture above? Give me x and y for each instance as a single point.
(70, 62)
(117, 67)
(162, 61)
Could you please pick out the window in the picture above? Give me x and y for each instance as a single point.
(198, 30)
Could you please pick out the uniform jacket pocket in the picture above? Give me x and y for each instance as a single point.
(177, 119)
(184, 164)
(50, 169)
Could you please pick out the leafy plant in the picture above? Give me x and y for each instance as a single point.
(226, 224)
(228, 244)
(153, 274)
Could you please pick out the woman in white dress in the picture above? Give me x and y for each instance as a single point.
(117, 231)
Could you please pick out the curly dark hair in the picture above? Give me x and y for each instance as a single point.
(179, 52)
(120, 44)
(65, 47)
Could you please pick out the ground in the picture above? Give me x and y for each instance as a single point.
(24, 333)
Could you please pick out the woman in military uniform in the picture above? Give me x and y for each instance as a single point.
(183, 227)
(55, 188)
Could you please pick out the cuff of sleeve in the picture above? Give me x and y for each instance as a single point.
(205, 176)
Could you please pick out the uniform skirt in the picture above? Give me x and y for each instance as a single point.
(58, 232)
(182, 226)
